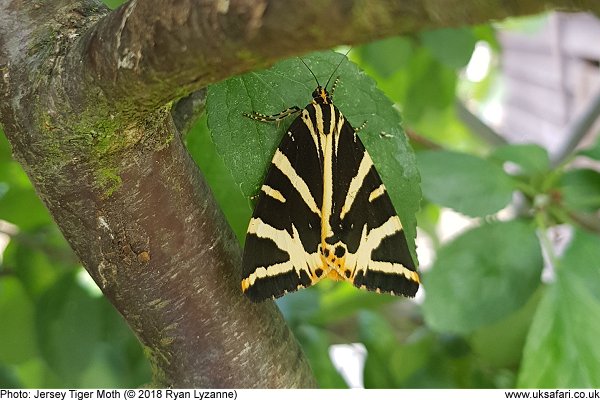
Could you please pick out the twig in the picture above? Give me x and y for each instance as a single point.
(578, 128)
(422, 140)
(477, 126)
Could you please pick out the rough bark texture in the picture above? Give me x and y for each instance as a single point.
(84, 100)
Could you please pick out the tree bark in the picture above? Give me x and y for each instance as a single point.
(86, 104)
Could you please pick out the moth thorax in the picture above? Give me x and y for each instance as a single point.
(321, 96)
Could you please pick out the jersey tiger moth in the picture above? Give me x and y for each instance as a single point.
(323, 212)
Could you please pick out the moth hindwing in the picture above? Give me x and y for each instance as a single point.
(323, 212)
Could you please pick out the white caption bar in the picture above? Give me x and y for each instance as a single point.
(313, 394)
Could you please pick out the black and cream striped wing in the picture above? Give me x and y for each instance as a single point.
(364, 223)
(280, 254)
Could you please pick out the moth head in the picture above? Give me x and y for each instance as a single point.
(321, 96)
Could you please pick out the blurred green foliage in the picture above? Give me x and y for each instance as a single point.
(487, 318)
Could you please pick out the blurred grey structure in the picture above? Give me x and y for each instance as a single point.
(552, 83)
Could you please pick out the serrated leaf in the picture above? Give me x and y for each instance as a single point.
(580, 190)
(465, 183)
(562, 348)
(531, 158)
(482, 276)
(247, 146)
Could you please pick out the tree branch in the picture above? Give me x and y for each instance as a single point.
(188, 109)
(150, 52)
(137, 211)
(84, 101)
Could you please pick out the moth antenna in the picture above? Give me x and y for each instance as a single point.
(314, 76)
(336, 68)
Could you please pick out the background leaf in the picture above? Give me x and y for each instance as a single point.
(482, 276)
(452, 47)
(562, 347)
(465, 183)
(315, 343)
(17, 313)
(247, 146)
(387, 56)
(593, 151)
(581, 190)
(532, 158)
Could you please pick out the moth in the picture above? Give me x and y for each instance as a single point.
(323, 211)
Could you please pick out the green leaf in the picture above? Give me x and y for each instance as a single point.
(32, 265)
(343, 300)
(8, 378)
(247, 146)
(500, 344)
(468, 184)
(315, 343)
(19, 204)
(430, 88)
(17, 316)
(387, 56)
(411, 358)
(391, 361)
(562, 347)
(68, 326)
(593, 151)
(482, 276)
(487, 32)
(228, 194)
(329, 302)
(35, 373)
(379, 338)
(580, 190)
(301, 306)
(532, 159)
(452, 47)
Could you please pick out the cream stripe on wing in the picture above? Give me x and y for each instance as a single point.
(311, 128)
(281, 161)
(369, 241)
(393, 268)
(356, 183)
(376, 193)
(338, 131)
(319, 118)
(327, 188)
(274, 193)
(291, 244)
